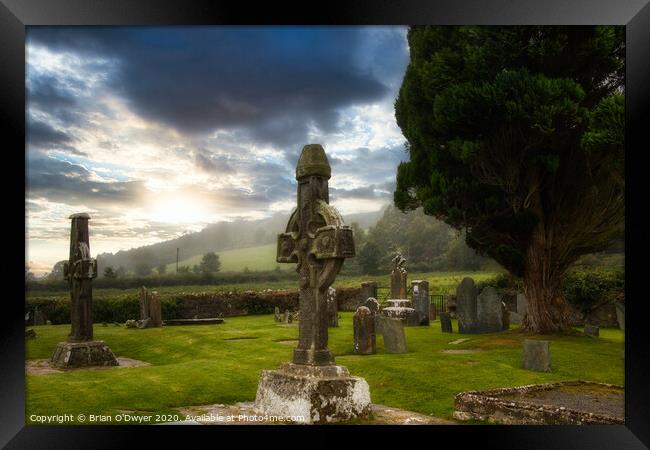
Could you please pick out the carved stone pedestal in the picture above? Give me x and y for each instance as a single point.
(312, 394)
(68, 355)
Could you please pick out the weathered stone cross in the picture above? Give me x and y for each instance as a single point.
(317, 239)
(79, 271)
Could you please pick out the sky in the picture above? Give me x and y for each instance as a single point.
(156, 132)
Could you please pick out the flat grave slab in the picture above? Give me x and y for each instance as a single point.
(206, 321)
(561, 403)
(45, 366)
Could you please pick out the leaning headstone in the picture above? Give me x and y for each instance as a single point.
(80, 349)
(276, 314)
(620, 315)
(421, 301)
(311, 387)
(592, 330)
(392, 331)
(372, 304)
(466, 294)
(364, 332)
(332, 308)
(445, 322)
(398, 277)
(537, 355)
(368, 289)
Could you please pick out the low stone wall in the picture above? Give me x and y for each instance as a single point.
(492, 407)
(348, 299)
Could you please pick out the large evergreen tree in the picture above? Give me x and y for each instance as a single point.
(515, 134)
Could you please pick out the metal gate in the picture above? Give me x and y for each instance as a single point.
(438, 302)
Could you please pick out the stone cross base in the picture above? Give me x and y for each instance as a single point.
(68, 355)
(312, 394)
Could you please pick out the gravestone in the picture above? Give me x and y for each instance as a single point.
(466, 294)
(537, 355)
(80, 349)
(522, 309)
(30, 333)
(489, 311)
(421, 301)
(150, 309)
(620, 315)
(332, 308)
(372, 304)
(276, 314)
(364, 332)
(368, 289)
(392, 331)
(592, 330)
(445, 322)
(287, 316)
(316, 239)
(39, 318)
(398, 278)
(483, 313)
(505, 317)
(155, 310)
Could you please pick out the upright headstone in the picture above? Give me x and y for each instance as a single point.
(537, 355)
(287, 316)
(592, 330)
(620, 315)
(466, 294)
(80, 348)
(445, 322)
(398, 278)
(276, 314)
(39, 318)
(332, 308)
(312, 386)
(364, 332)
(155, 310)
(392, 330)
(522, 304)
(368, 289)
(505, 317)
(489, 311)
(421, 301)
(144, 303)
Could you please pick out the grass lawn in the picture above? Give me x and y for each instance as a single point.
(261, 257)
(207, 364)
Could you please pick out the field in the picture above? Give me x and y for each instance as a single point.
(210, 364)
(439, 283)
(255, 258)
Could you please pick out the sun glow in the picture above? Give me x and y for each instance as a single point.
(174, 209)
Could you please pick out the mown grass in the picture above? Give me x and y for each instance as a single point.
(207, 364)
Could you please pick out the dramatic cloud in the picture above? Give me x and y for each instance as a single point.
(157, 131)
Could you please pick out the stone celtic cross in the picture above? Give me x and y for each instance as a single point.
(79, 271)
(317, 239)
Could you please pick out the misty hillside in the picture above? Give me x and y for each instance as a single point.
(216, 237)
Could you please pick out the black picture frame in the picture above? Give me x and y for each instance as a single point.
(15, 15)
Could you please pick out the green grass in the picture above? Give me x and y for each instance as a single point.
(207, 364)
(255, 258)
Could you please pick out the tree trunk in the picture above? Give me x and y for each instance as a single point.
(547, 308)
